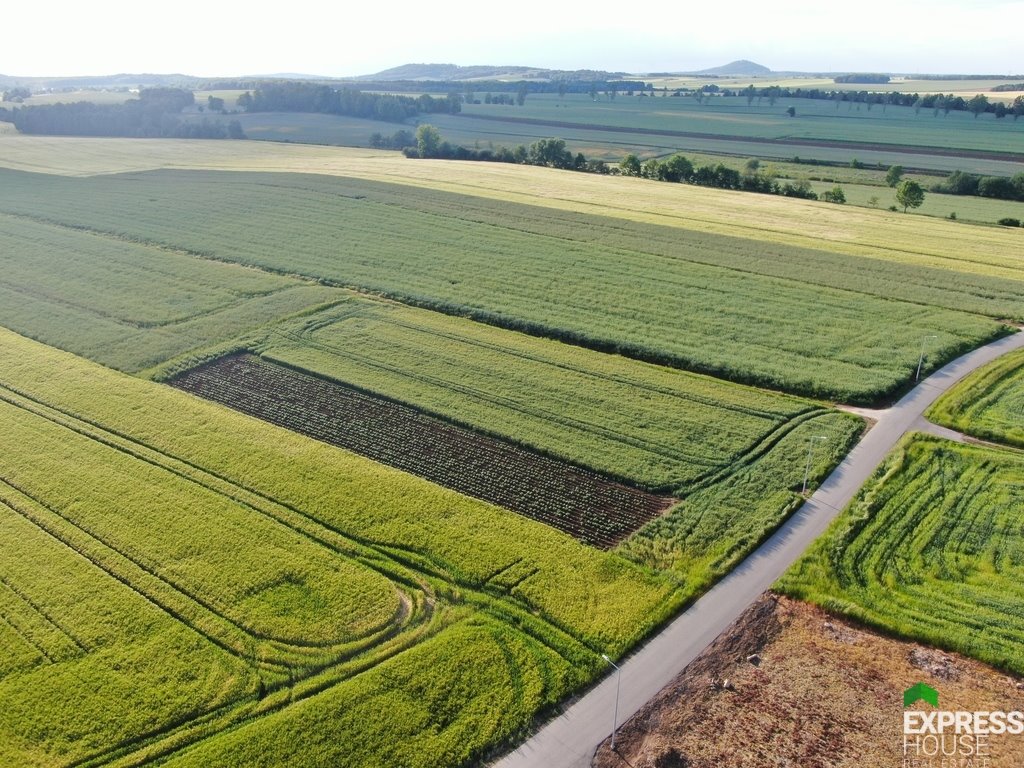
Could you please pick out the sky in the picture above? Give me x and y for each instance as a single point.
(341, 39)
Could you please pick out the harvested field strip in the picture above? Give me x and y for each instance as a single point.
(589, 507)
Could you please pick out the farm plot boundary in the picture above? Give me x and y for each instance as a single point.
(590, 507)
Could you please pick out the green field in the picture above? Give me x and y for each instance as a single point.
(859, 232)
(967, 208)
(734, 453)
(808, 321)
(269, 570)
(931, 549)
(130, 305)
(965, 88)
(658, 126)
(214, 590)
(657, 427)
(988, 404)
(818, 120)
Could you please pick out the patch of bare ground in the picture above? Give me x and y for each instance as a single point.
(790, 686)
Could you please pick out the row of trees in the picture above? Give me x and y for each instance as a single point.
(1000, 187)
(310, 97)
(550, 153)
(155, 114)
(553, 153)
(679, 169)
(937, 102)
(16, 95)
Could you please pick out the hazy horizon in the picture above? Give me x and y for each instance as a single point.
(207, 40)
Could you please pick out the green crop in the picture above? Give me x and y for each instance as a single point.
(931, 549)
(660, 428)
(233, 569)
(805, 321)
(989, 403)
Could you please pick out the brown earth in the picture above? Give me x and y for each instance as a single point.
(788, 685)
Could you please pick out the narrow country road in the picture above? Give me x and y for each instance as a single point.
(569, 741)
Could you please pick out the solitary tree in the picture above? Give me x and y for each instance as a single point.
(428, 140)
(894, 175)
(521, 94)
(791, 111)
(909, 194)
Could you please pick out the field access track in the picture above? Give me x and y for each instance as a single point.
(584, 504)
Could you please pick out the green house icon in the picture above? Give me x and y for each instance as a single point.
(920, 692)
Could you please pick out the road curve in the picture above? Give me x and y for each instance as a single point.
(569, 741)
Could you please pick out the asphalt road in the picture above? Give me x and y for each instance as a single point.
(569, 741)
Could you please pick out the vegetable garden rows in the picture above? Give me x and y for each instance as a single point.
(594, 509)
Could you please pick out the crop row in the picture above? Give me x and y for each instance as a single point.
(591, 508)
(135, 670)
(187, 537)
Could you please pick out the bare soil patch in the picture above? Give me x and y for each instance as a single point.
(788, 685)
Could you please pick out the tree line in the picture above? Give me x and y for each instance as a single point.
(936, 102)
(553, 153)
(155, 114)
(310, 97)
(999, 187)
(862, 77)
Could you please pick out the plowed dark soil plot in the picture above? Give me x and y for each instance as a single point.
(591, 508)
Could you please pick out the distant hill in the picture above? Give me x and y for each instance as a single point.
(123, 80)
(455, 72)
(741, 67)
